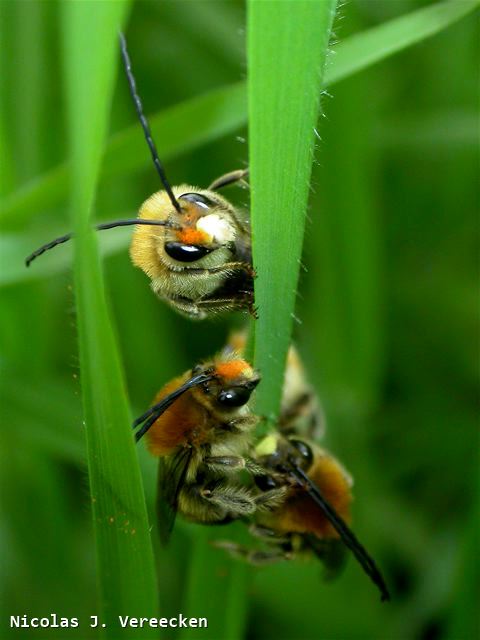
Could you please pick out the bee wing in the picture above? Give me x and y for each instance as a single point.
(332, 553)
(171, 476)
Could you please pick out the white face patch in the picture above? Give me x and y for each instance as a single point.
(217, 228)
(267, 446)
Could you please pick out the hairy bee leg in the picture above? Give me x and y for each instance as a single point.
(268, 535)
(202, 308)
(232, 499)
(228, 268)
(270, 499)
(225, 463)
(252, 556)
(229, 178)
(238, 425)
(235, 463)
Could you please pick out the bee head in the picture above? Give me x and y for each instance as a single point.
(232, 383)
(204, 225)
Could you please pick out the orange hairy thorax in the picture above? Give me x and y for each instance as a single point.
(182, 424)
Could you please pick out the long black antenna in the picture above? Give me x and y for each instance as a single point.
(99, 227)
(151, 415)
(346, 534)
(144, 123)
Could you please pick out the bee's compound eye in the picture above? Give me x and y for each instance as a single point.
(198, 199)
(265, 483)
(305, 452)
(186, 252)
(234, 397)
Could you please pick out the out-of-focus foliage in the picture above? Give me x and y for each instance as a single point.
(387, 305)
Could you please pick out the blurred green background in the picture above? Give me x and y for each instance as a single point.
(386, 313)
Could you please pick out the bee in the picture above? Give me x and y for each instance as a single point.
(313, 516)
(192, 243)
(200, 428)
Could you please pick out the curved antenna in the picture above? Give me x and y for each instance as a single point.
(144, 123)
(346, 534)
(151, 415)
(99, 227)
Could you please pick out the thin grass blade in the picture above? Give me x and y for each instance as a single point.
(224, 601)
(126, 576)
(285, 83)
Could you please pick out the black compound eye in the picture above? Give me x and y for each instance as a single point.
(234, 397)
(186, 252)
(265, 483)
(305, 452)
(198, 199)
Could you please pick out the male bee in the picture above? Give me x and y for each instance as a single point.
(201, 427)
(191, 242)
(312, 517)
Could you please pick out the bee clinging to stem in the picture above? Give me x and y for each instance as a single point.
(313, 516)
(191, 242)
(315, 512)
(200, 427)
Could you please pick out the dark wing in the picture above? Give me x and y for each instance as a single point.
(346, 534)
(332, 553)
(171, 476)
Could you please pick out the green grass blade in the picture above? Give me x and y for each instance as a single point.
(125, 566)
(365, 49)
(284, 89)
(224, 602)
(206, 118)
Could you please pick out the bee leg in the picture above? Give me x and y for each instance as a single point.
(268, 535)
(238, 425)
(225, 463)
(235, 463)
(229, 178)
(232, 499)
(253, 556)
(271, 499)
(202, 308)
(227, 269)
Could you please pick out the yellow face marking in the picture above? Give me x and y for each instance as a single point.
(267, 446)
